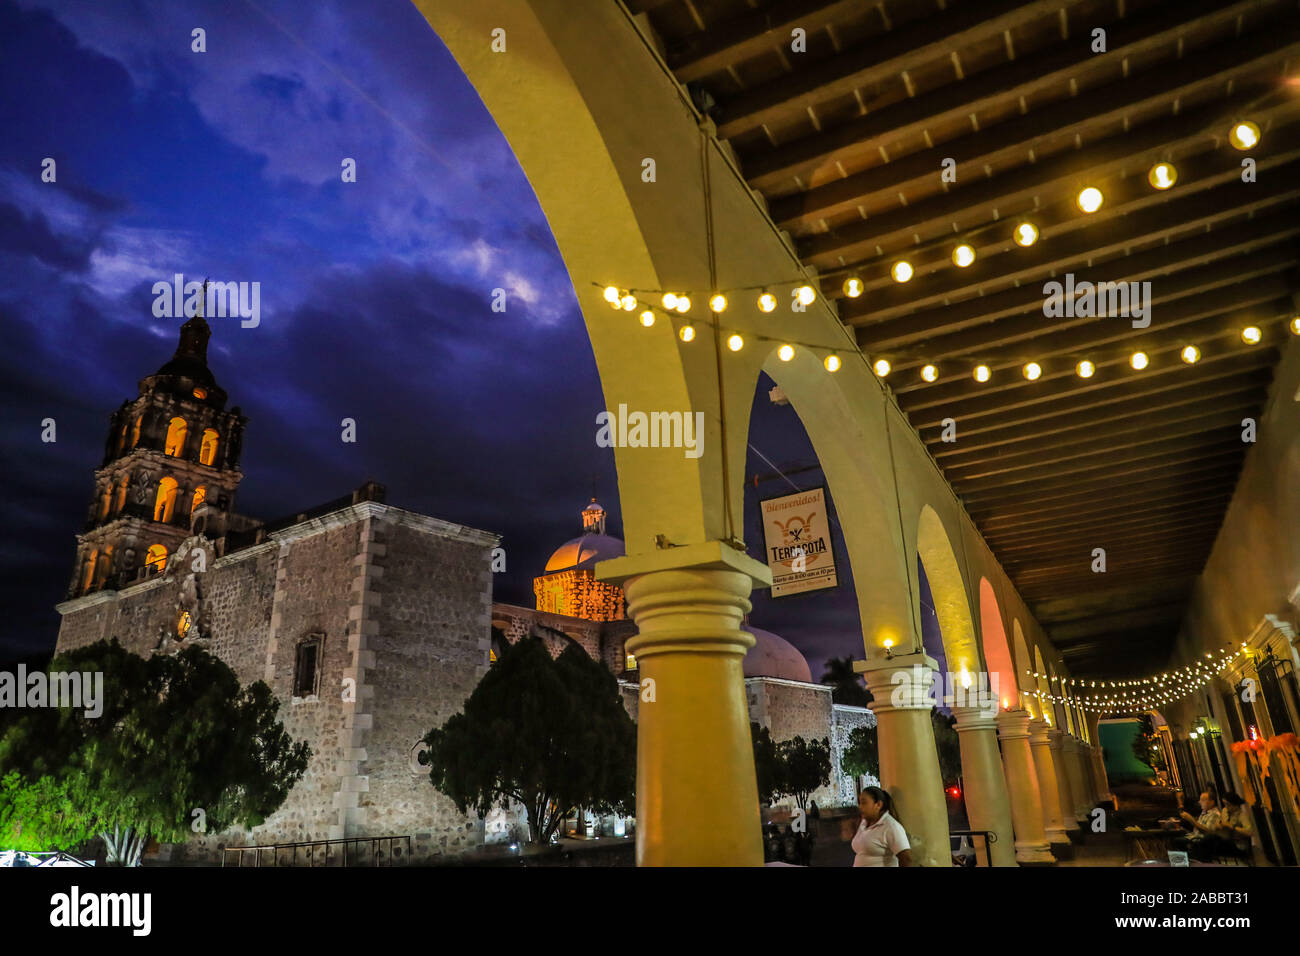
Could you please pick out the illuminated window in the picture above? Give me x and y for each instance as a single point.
(208, 450)
(105, 566)
(176, 432)
(183, 624)
(135, 432)
(306, 672)
(200, 496)
(121, 497)
(200, 393)
(164, 503)
(630, 663)
(121, 439)
(105, 502)
(492, 655)
(155, 559)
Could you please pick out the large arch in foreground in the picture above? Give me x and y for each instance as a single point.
(584, 102)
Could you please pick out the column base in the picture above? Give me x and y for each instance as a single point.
(1034, 854)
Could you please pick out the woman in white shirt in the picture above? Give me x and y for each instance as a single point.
(881, 839)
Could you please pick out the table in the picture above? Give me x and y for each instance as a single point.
(1150, 842)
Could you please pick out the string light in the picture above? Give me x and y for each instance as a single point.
(832, 363)
(628, 302)
(1139, 360)
(612, 295)
(881, 367)
(1295, 325)
(735, 343)
(853, 287)
(718, 303)
(1032, 371)
(669, 300)
(1089, 199)
(1162, 175)
(1085, 369)
(766, 301)
(785, 353)
(1191, 354)
(683, 304)
(1244, 135)
(647, 318)
(982, 373)
(805, 294)
(1250, 335)
(902, 271)
(1026, 234)
(929, 373)
(686, 333)
(963, 256)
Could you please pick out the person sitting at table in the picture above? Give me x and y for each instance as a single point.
(1204, 842)
(1235, 824)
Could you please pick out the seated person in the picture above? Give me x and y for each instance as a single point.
(1204, 842)
(1235, 823)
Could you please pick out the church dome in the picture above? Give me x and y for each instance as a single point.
(584, 551)
(773, 656)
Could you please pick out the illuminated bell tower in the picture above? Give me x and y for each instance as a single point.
(170, 469)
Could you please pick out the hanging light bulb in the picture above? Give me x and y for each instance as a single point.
(1162, 175)
(1295, 325)
(982, 373)
(1085, 369)
(766, 301)
(1026, 234)
(853, 287)
(718, 303)
(683, 304)
(612, 295)
(735, 343)
(805, 294)
(1250, 335)
(686, 333)
(1191, 354)
(963, 256)
(785, 353)
(1032, 371)
(647, 318)
(881, 367)
(1089, 199)
(628, 302)
(1244, 135)
(902, 270)
(930, 373)
(832, 363)
(670, 300)
(1138, 360)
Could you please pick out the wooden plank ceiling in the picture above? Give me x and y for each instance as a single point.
(846, 140)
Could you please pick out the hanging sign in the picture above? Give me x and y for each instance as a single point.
(797, 532)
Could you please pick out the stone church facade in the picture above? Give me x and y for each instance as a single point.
(334, 609)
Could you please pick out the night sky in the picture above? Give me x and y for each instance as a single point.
(375, 295)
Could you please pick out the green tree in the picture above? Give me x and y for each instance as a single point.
(1146, 744)
(846, 684)
(947, 745)
(861, 757)
(768, 767)
(806, 765)
(551, 734)
(177, 734)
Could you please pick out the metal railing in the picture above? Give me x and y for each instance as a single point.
(354, 851)
(989, 839)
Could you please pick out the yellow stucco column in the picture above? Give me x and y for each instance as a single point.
(984, 787)
(909, 763)
(1022, 787)
(1103, 782)
(696, 794)
(1070, 750)
(1049, 790)
(1061, 758)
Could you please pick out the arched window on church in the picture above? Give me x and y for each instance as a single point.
(200, 496)
(121, 496)
(121, 438)
(104, 567)
(155, 559)
(88, 578)
(176, 432)
(135, 432)
(208, 450)
(105, 502)
(164, 505)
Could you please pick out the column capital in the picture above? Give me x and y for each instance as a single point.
(899, 682)
(1039, 732)
(1013, 725)
(970, 719)
(703, 556)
